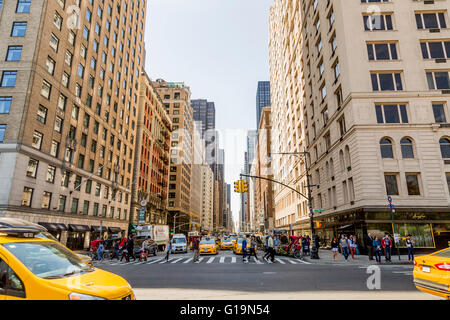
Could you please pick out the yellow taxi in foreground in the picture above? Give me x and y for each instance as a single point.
(432, 273)
(34, 268)
(208, 246)
(226, 244)
(237, 249)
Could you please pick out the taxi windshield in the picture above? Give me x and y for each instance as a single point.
(207, 242)
(48, 260)
(179, 240)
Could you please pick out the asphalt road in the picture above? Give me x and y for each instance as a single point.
(225, 276)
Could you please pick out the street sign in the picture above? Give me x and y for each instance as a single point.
(389, 199)
(141, 215)
(318, 210)
(143, 203)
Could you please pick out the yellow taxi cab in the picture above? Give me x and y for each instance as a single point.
(208, 246)
(432, 273)
(226, 244)
(36, 268)
(234, 240)
(237, 249)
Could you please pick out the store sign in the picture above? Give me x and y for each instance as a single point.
(141, 218)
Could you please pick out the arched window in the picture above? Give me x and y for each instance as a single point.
(386, 149)
(327, 170)
(407, 148)
(341, 160)
(445, 147)
(331, 167)
(348, 160)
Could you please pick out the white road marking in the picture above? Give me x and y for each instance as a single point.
(303, 262)
(188, 260)
(233, 259)
(292, 261)
(280, 261)
(211, 260)
(257, 261)
(201, 259)
(154, 261)
(222, 260)
(175, 261)
(164, 261)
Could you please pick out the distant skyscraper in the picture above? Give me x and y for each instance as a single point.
(205, 112)
(252, 138)
(262, 99)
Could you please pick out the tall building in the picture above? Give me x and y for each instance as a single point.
(151, 168)
(176, 99)
(252, 139)
(205, 112)
(198, 146)
(207, 187)
(68, 113)
(370, 106)
(262, 98)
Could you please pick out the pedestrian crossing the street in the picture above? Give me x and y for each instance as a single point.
(204, 260)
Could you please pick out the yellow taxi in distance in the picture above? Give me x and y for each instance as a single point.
(208, 246)
(34, 268)
(234, 240)
(432, 273)
(237, 249)
(226, 244)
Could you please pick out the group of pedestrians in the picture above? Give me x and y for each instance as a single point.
(246, 254)
(123, 247)
(375, 246)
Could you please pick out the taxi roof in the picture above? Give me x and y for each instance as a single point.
(4, 238)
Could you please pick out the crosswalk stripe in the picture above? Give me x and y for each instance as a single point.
(292, 261)
(164, 261)
(222, 259)
(302, 261)
(200, 259)
(257, 261)
(233, 259)
(188, 260)
(280, 261)
(154, 261)
(175, 261)
(211, 260)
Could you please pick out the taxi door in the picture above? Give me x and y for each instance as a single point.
(11, 286)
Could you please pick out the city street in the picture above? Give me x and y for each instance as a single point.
(225, 276)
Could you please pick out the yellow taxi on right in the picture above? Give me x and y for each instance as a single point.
(432, 273)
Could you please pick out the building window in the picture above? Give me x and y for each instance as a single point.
(95, 213)
(438, 80)
(62, 203)
(32, 168)
(46, 200)
(391, 113)
(5, 104)
(2, 132)
(407, 148)
(14, 53)
(23, 6)
(54, 149)
(50, 174)
(435, 49)
(46, 89)
(391, 184)
(74, 207)
(9, 79)
(86, 207)
(386, 149)
(445, 147)
(19, 29)
(37, 140)
(447, 175)
(378, 22)
(412, 183)
(439, 112)
(432, 20)
(382, 51)
(27, 196)
(42, 114)
(386, 81)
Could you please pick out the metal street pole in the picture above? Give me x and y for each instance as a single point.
(391, 206)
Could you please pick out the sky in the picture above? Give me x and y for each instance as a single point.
(219, 48)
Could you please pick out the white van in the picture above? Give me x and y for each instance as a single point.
(179, 243)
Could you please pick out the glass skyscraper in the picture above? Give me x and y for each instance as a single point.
(262, 99)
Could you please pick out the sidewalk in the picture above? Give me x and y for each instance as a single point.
(326, 257)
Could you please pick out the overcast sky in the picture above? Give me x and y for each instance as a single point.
(219, 48)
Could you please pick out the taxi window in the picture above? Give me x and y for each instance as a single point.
(207, 242)
(444, 253)
(10, 283)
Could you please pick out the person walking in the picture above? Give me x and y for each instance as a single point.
(100, 250)
(169, 248)
(266, 247)
(387, 247)
(369, 245)
(253, 248)
(244, 249)
(343, 243)
(410, 246)
(130, 248)
(115, 250)
(144, 252)
(196, 248)
(351, 242)
(305, 246)
(271, 245)
(356, 244)
(376, 244)
(335, 247)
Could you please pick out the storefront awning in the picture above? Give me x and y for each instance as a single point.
(53, 226)
(345, 227)
(79, 227)
(97, 228)
(114, 229)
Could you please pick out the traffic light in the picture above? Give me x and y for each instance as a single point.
(318, 224)
(244, 186)
(237, 186)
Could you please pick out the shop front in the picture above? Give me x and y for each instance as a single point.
(429, 230)
(55, 229)
(114, 232)
(76, 236)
